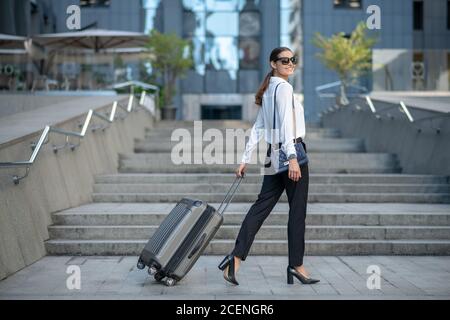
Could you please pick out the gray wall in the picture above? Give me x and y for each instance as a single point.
(435, 34)
(56, 182)
(427, 152)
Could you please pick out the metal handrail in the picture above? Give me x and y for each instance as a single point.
(44, 138)
(141, 84)
(403, 109)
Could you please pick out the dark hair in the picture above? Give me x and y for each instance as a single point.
(273, 55)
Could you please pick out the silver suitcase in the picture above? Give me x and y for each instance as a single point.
(182, 237)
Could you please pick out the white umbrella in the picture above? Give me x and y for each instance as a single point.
(10, 42)
(96, 40)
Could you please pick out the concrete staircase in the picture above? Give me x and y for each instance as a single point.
(360, 203)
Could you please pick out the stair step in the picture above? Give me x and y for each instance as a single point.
(319, 163)
(260, 247)
(267, 232)
(251, 197)
(167, 129)
(211, 124)
(204, 123)
(166, 135)
(230, 145)
(256, 187)
(257, 178)
(132, 217)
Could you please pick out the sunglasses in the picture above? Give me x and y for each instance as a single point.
(285, 60)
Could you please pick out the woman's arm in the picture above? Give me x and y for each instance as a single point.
(255, 135)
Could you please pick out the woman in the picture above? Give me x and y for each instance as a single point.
(295, 180)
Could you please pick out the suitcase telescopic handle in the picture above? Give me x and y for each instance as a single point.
(229, 196)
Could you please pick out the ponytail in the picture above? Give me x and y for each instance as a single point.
(262, 88)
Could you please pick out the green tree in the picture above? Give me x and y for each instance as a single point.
(350, 57)
(170, 57)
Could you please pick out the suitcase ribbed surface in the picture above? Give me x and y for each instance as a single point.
(188, 241)
(169, 224)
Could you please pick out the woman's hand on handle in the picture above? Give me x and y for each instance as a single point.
(241, 170)
(294, 170)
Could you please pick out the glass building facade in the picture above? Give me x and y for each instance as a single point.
(225, 34)
(291, 35)
(232, 41)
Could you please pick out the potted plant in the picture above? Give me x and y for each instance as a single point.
(170, 57)
(349, 56)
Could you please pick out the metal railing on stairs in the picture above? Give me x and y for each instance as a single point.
(386, 112)
(45, 135)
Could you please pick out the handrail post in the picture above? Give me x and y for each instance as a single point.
(405, 109)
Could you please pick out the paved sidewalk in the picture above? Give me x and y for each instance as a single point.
(261, 277)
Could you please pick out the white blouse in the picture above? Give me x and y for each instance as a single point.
(284, 128)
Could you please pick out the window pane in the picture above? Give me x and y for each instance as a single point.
(354, 4)
(221, 53)
(288, 4)
(290, 21)
(249, 50)
(448, 14)
(418, 15)
(198, 52)
(222, 5)
(194, 5)
(194, 23)
(152, 20)
(348, 4)
(95, 3)
(222, 24)
(151, 4)
(249, 24)
(248, 4)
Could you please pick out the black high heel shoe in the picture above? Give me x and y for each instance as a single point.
(291, 273)
(229, 262)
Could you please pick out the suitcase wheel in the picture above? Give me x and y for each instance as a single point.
(140, 265)
(159, 276)
(170, 282)
(152, 271)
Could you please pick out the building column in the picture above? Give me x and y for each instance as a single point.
(173, 22)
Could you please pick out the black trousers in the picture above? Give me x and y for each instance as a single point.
(271, 190)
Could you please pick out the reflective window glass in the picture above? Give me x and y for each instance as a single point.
(222, 24)
(193, 23)
(194, 5)
(151, 4)
(221, 53)
(222, 5)
(249, 53)
(198, 53)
